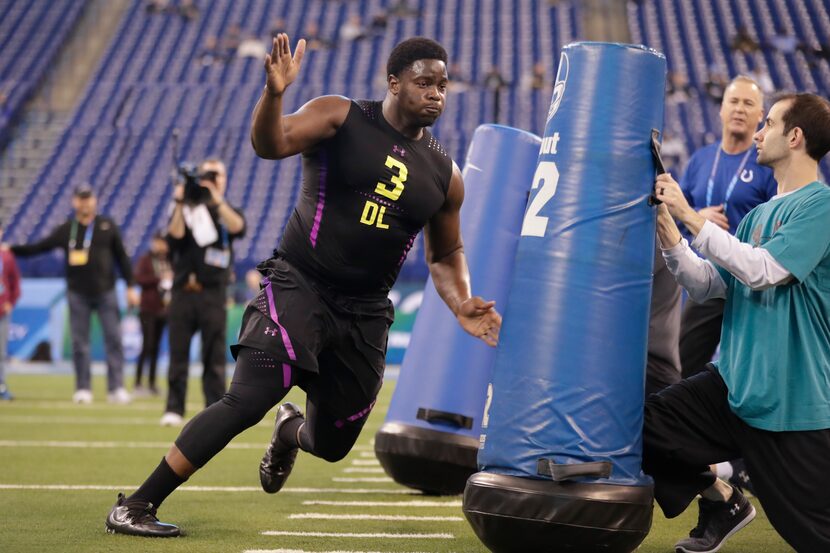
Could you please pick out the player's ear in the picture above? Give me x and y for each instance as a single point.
(394, 84)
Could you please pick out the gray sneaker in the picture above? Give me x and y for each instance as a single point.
(717, 521)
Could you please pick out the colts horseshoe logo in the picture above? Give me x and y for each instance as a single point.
(559, 87)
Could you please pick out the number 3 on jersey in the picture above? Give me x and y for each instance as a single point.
(372, 212)
(398, 180)
(547, 174)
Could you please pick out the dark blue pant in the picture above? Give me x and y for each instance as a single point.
(80, 314)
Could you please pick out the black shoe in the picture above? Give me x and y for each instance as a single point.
(717, 521)
(278, 461)
(740, 477)
(138, 518)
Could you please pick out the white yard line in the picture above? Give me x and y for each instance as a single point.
(304, 551)
(386, 535)
(33, 419)
(366, 462)
(108, 445)
(373, 479)
(73, 487)
(328, 516)
(413, 503)
(141, 405)
(367, 470)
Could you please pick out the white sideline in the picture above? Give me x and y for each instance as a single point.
(414, 503)
(391, 518)
(67, 487)
(389, 535)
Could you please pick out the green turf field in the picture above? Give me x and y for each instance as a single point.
(62, 465)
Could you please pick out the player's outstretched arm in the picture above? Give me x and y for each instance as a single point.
(274, 135)
(448, 268)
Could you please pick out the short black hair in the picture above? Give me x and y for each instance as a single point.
(411, 50)
(810, 113)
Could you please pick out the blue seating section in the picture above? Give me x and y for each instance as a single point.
(696, 36)
(31, 34)
(152, 81)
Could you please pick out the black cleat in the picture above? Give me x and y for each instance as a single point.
(277, 462)
(138, 518)
(717, 521)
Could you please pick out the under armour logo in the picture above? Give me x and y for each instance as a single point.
(734, 510)
(271, 331)
(398, 150)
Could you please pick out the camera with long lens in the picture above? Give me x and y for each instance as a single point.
(195, 193)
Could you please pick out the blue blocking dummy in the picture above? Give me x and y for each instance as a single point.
(430, 438)
(561, 456)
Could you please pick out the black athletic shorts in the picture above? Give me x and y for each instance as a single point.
(340, 339)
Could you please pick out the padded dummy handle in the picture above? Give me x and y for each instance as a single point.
(548, 467)
(455, 419)
(658, 162)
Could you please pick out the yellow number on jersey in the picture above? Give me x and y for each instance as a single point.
(393, 193)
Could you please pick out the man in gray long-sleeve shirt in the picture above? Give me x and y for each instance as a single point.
(93, 246)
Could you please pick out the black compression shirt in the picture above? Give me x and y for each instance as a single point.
(367, 193)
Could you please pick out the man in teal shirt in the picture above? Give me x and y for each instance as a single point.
(768, 399)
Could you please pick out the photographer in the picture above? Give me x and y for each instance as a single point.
(201, 231)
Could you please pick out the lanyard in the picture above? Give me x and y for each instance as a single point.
(223, 236)
(87, 235)
(711, 184)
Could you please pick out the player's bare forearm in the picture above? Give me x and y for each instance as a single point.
(451, 278)
(477, 316)
(267, 134)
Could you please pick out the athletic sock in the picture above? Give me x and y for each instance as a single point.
(724, 470)
(161, 483)
(288, 433)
